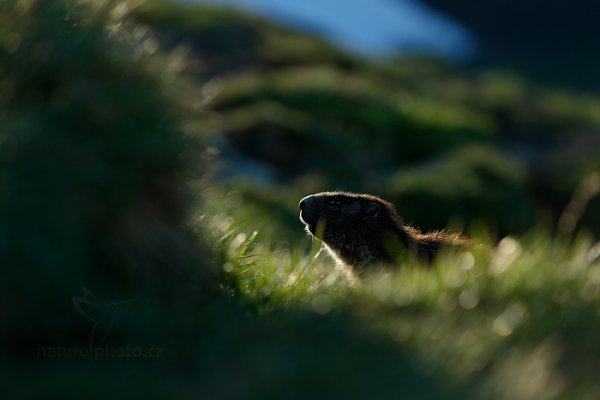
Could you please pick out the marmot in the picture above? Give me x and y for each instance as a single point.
(361, 230)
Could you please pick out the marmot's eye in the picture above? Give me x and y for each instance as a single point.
(335, 203)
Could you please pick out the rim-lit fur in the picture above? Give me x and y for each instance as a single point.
(360, 230)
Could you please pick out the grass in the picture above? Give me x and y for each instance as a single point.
(300, 110)
(514, 320)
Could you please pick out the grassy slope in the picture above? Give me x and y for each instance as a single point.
(434, 139)
(516, 321)
(513, 321)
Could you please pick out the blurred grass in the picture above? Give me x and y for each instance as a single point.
(103, 120)
(295, 110)
(512, 321)
(94, 162)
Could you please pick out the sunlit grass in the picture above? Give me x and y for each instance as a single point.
(489, 312)
(280, 276)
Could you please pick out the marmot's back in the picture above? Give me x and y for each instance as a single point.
(361, 229)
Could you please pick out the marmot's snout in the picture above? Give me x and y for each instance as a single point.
(309, 214)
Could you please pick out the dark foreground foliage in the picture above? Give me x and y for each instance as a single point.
(106, 292)
(119, 283)
(92, 192)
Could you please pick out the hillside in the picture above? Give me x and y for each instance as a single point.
(293, 115)
(152, 160)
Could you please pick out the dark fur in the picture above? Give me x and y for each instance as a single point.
(361, 230)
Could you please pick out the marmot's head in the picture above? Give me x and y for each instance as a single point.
(339, 212)
(362, 229)
(355, 226)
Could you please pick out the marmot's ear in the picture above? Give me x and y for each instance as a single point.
(373, 209)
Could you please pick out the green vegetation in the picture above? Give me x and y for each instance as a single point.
(92, 171)
(516, 322)
(438, 142)
(151, 162)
